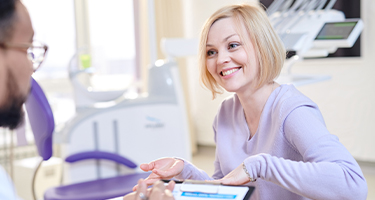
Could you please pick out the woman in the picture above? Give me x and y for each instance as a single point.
(267, 135)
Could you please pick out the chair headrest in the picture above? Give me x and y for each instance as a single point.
(41, 120)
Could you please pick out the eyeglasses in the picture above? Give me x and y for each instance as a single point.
(36, 51)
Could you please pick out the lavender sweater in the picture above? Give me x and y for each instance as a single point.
(292, 155)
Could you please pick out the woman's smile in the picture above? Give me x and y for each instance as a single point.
(228, 73)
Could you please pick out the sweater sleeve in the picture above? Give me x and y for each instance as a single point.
(328, 170)
(192, 172)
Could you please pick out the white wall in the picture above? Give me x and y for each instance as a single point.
(346, 101)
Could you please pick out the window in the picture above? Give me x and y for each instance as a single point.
(53, 22)
(111, 25)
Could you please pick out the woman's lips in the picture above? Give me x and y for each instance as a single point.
(229, 72)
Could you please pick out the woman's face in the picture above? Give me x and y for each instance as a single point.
(234, 68)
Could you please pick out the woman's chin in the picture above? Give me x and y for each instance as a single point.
(230, 89)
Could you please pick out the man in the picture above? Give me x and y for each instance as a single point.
(15, 71)
(19, 58)
(16, 35)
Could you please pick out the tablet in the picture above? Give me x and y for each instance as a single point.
(200, 190)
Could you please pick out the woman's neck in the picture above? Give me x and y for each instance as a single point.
(254, 100)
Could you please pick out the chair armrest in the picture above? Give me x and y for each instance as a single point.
(100, 155)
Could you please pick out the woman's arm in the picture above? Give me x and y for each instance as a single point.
(328, 170)
(192, 172)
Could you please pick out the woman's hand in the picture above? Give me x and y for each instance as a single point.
(163, 168)
(235, 177)
(158, 192)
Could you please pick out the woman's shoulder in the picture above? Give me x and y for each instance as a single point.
(230, 105)
(231, 102)
(289, 98)
(289, 92)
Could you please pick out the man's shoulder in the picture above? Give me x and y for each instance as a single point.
(7, 189)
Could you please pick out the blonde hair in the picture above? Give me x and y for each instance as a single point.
(270, 51)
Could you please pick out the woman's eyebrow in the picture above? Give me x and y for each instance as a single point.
(225, 39)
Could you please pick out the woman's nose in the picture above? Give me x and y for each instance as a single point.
(223, 57)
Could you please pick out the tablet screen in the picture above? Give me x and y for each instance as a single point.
(217, 192)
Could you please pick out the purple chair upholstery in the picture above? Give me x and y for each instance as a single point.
(42, 125)
(41, 120)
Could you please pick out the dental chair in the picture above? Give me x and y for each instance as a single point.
(42, 124)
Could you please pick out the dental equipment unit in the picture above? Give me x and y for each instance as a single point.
(311, 29)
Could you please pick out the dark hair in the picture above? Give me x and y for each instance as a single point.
(12, 115)
(7, 18)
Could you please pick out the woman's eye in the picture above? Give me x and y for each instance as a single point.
(233, 45)
(211, 53)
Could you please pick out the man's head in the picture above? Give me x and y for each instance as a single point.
(15, 66)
